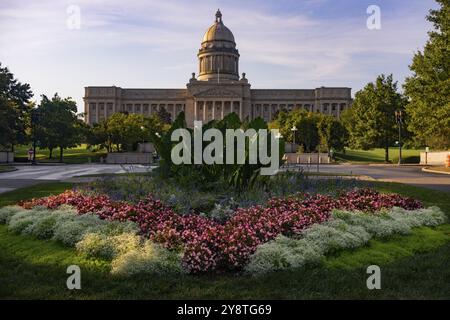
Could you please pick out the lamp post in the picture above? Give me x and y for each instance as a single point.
(399, 120)
(143, 137)
(294, 131)
(35, 117)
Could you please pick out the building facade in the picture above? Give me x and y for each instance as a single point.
(217, 90)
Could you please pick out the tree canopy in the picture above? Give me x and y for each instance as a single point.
(124, 131)
(371, 119)
(58, 124)
(15, 109)
(428, 89)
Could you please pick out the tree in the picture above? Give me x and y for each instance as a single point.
(370, 121)
(332, 133)
(428, 88)
(59, 125)
(8, 116)
(15, 108)
(127, 130)
(97, 135)
(306, 122)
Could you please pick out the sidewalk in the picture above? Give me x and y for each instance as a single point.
(432, 170)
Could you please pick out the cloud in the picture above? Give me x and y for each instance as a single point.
(120, 39)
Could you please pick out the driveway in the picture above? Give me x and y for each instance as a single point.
(407, 174)
(27, 175)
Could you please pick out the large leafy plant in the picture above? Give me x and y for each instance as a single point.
(239, 176)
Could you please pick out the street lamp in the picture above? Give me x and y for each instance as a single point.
(143, 137)
(399, 120)
(294, 130)
(35, 117)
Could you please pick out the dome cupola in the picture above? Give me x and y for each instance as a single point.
(218, 56)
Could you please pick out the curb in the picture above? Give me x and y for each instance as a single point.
(9, 170)
(434, 171)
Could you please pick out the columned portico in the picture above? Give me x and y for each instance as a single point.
(216, 109)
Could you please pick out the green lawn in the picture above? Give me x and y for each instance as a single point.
(377, 155)
(79, 154)
(6, 168)
(35, 191)
(414, 266)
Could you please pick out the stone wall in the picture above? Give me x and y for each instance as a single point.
(129, 158)
(434, 158)
(6, 156)
(307, 158)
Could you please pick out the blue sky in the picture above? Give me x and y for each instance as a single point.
(153, 43)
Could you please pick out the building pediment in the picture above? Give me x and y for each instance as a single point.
(217, 93)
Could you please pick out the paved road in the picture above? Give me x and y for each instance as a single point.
(26, 175)
(405, 174)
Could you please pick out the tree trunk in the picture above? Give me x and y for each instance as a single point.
(386, 153)
(50, 156)
(61, 150)
(12, 147)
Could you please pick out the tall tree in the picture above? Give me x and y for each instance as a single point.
(127, 130)
(307, 133)
(429, 87)
(332, 133)
(370, 121)
(59, 125)
(15, 108)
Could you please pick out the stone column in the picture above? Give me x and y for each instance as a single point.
(222, 111)
(204, 110)
(240, 109)
(97, 112)
(195, 109)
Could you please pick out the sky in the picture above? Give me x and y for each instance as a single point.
(63, 46)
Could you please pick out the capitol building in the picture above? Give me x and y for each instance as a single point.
(217, 90)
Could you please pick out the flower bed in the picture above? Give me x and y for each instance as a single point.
(209, 245)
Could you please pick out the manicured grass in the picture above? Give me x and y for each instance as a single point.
(377, 155)
(37, 269)
(79, 154)
(6, 168)
(381, 252)
(35, 191)
(414, 266)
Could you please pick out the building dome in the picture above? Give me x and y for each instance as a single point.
(218, 31)
(218, 56)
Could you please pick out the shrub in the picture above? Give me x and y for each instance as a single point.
(43, 227)
(424, 217)
(282, 253)
(21, 220)
(380, 226)
(71, 229)
(100, 245)
(45, 220)
(7, 212)
(150, 258)
(335, 235)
